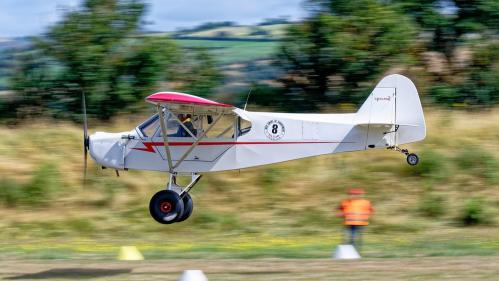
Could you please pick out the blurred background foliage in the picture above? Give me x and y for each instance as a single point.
(98, 50)
(330, 57)
(333, 57)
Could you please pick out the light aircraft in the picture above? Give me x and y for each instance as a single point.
(190, 135)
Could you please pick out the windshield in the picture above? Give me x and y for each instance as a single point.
(150, 126)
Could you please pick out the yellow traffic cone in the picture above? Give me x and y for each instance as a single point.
(130, 253)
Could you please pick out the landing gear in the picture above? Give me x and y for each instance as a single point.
(166, 206)
(412, 158)
(188, 207)
(174, 204)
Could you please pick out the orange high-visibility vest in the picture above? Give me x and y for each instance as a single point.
(356, 211)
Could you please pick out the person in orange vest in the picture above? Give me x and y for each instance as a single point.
(355, 212)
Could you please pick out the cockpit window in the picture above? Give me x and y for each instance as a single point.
(187, 125)
(244, 126)
(180, 125)
(150, 126)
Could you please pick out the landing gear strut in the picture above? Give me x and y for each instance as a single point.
(412, 158)
(173, 204)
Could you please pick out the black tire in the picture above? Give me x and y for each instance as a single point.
(188, 207)
(412, 159)
(166, 206)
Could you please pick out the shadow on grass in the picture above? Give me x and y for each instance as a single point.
(71, 273)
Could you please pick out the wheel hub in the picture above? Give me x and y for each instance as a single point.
(165, 207)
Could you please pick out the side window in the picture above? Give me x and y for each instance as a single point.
(244, 126)
(174, 127)
(223, 129)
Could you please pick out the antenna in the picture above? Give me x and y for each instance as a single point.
(247, 98)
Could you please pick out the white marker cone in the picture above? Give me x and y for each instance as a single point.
(345, 252)
(193, 275)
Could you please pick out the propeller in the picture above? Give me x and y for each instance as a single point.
(86, 139)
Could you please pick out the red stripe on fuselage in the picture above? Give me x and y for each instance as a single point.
(149, 146)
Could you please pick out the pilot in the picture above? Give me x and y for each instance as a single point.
(189, 125)
(187, 121)
(355, 212)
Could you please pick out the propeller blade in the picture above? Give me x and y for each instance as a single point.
(85, 125)
(85, 156)
(85, 137)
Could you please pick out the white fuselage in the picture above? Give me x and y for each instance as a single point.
(296, 136)
(392, 115)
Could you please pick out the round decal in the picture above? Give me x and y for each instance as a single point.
(274, 130)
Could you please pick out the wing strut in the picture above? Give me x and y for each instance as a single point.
(165, 137)
(197, 141)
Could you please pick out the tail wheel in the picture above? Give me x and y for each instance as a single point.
(188, 207)
(412, 159)
(166, 206)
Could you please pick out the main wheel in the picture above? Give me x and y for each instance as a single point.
(412, 159)
(166, 206)
(188, 207)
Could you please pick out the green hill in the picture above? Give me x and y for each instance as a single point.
(275, 31)
(227, 52)
(230, 31)
(233, 44)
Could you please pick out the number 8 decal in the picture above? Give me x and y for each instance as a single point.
(274, 130)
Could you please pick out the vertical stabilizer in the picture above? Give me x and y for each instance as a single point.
(392, 113)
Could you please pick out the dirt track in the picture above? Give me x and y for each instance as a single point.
(451, 268)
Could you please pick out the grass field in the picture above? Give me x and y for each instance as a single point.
(433, 268)
(3, 83)
(282, 211)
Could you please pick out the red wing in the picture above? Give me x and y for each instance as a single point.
(174, 97)
(181, 99)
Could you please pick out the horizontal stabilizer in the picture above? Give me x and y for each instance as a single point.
(388, 124)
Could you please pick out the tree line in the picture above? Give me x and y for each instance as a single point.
(333, 56)
(99, 50)
(344, 46)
